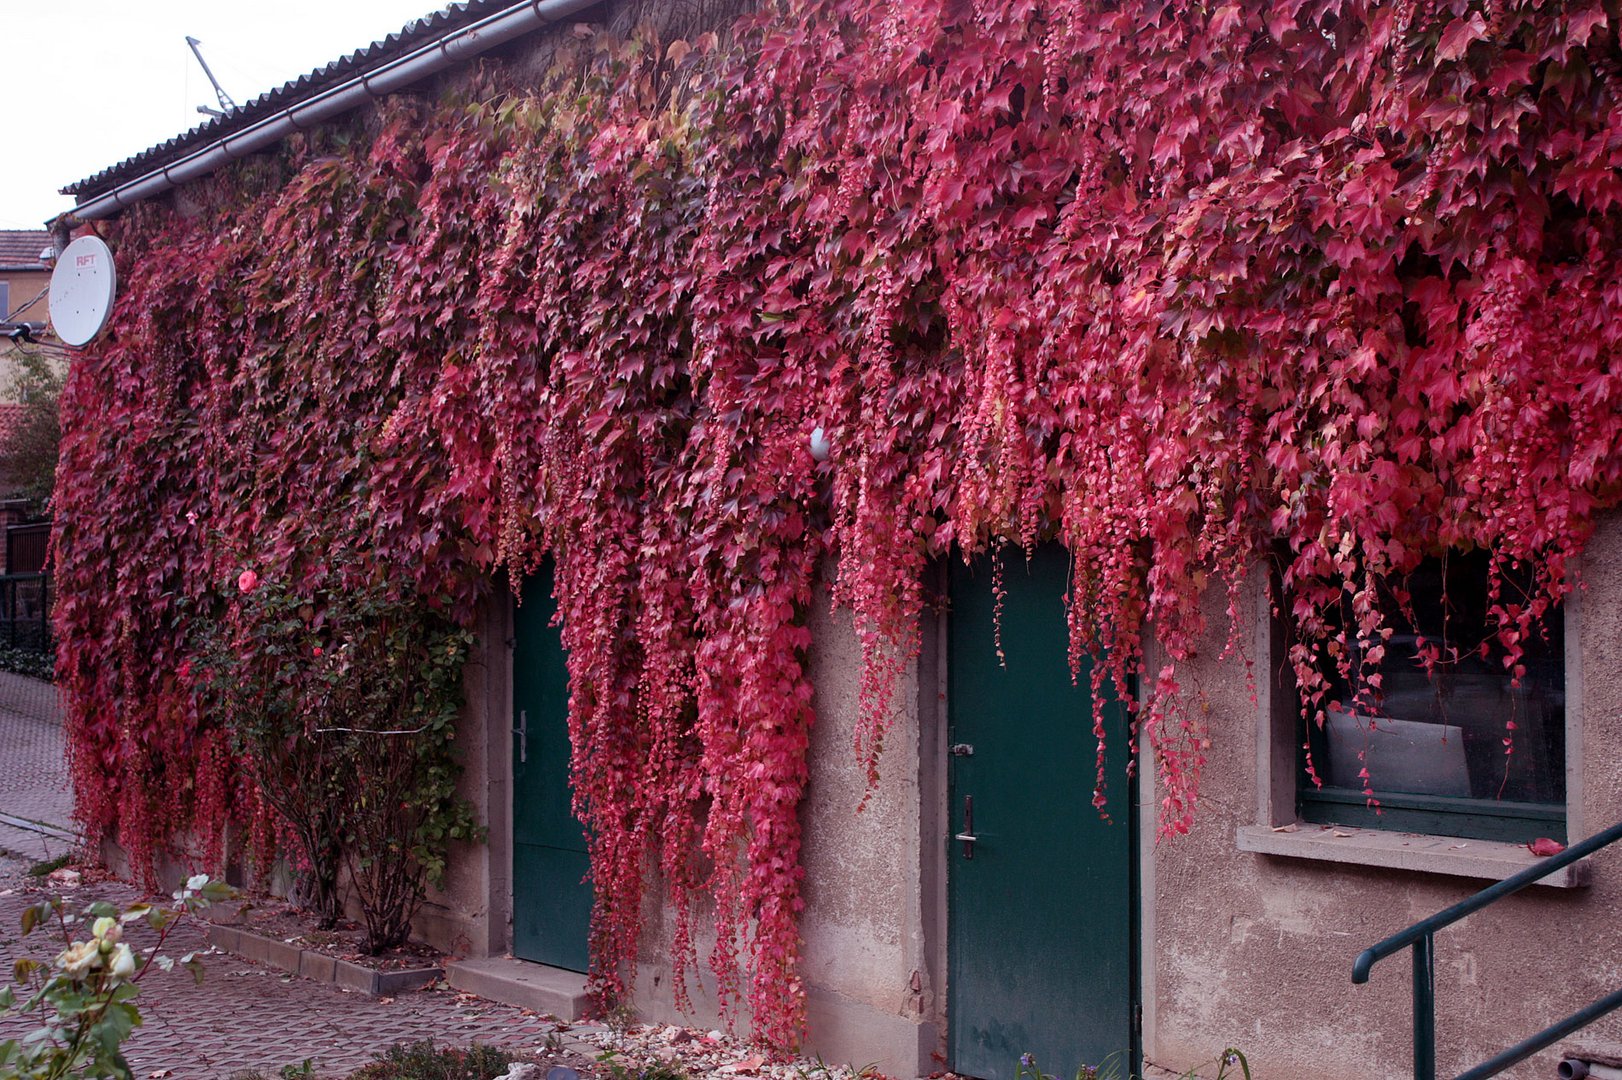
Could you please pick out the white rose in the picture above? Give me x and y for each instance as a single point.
(122, 964)
(79, 958)
(107, 929)
(196, 881)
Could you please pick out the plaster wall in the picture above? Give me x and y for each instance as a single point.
(25, 285)
(865, 961)
(1255, 951)
(469, 914)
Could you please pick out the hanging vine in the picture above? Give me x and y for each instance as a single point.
(1168, 283)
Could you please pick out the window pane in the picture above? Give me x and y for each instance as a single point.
(1442, 736)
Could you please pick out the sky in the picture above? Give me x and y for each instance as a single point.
(88, 83)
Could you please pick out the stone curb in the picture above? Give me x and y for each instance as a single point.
(318, 966)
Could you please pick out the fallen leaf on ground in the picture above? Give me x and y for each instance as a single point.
(1544, 847)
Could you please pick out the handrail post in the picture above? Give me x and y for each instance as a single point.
(1425, 1008)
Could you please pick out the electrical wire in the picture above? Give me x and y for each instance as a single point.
(37, 298)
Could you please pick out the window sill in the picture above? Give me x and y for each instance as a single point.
(1481, 859)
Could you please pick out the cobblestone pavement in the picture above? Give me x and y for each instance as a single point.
(36, 807)
(244, 1016)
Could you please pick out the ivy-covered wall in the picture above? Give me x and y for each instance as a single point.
(1170, 283)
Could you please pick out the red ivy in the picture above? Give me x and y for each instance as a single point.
(1167, 282)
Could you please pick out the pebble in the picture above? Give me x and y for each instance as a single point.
(705, 1055)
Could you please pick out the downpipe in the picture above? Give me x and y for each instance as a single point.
(1574, 1068)
(454, 48)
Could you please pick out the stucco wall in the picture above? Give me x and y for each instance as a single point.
(865, 958)
(25, 285)
(468, 915)
(1255, 951)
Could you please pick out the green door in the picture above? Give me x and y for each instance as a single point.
(1042, 904)
(551, 891)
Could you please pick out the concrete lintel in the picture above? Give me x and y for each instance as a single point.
(1482, 859)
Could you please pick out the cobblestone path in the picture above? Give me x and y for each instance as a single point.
(244, 1016)
(36, 807)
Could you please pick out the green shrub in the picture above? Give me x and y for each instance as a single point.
(342, 694)
(35, 663)
(424, 1061)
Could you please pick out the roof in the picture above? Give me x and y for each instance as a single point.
(411, 36)
(20, 248)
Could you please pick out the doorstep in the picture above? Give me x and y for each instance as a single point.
(548, 990)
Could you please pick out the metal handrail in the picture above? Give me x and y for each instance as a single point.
(1421, 936)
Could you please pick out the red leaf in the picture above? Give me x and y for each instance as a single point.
(1459, 34)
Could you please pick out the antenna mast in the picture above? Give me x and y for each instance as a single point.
(226, 104)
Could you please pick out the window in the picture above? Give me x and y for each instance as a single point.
(1461, 751)
(5, 301)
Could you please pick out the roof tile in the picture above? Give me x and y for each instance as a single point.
(20, 248)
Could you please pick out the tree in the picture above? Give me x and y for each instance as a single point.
(28, 452)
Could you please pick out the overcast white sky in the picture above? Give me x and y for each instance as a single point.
(87, 83)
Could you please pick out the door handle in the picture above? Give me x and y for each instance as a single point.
(967, 835)
(522, 731)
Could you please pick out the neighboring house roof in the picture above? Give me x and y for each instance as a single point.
(411, 36)
(20, 249)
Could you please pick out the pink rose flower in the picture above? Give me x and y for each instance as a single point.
(247, 580)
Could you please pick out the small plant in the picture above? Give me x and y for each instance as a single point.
(1229, 1060)
(35, 663)
(44, 867)
(616, 1069)
(84, 998)
(297, 1072)
(424, 1061)
(1108, 1069)
(620, 1018)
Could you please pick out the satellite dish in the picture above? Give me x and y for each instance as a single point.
(82, 287)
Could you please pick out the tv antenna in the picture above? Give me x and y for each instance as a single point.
(226, 104)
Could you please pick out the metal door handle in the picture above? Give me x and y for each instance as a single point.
(967, 835)
(522, 731)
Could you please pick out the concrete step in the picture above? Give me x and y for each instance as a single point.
(521, 983)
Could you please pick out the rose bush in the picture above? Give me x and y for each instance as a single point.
(84, 999)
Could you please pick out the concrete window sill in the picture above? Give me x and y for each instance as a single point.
(1482, 859)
